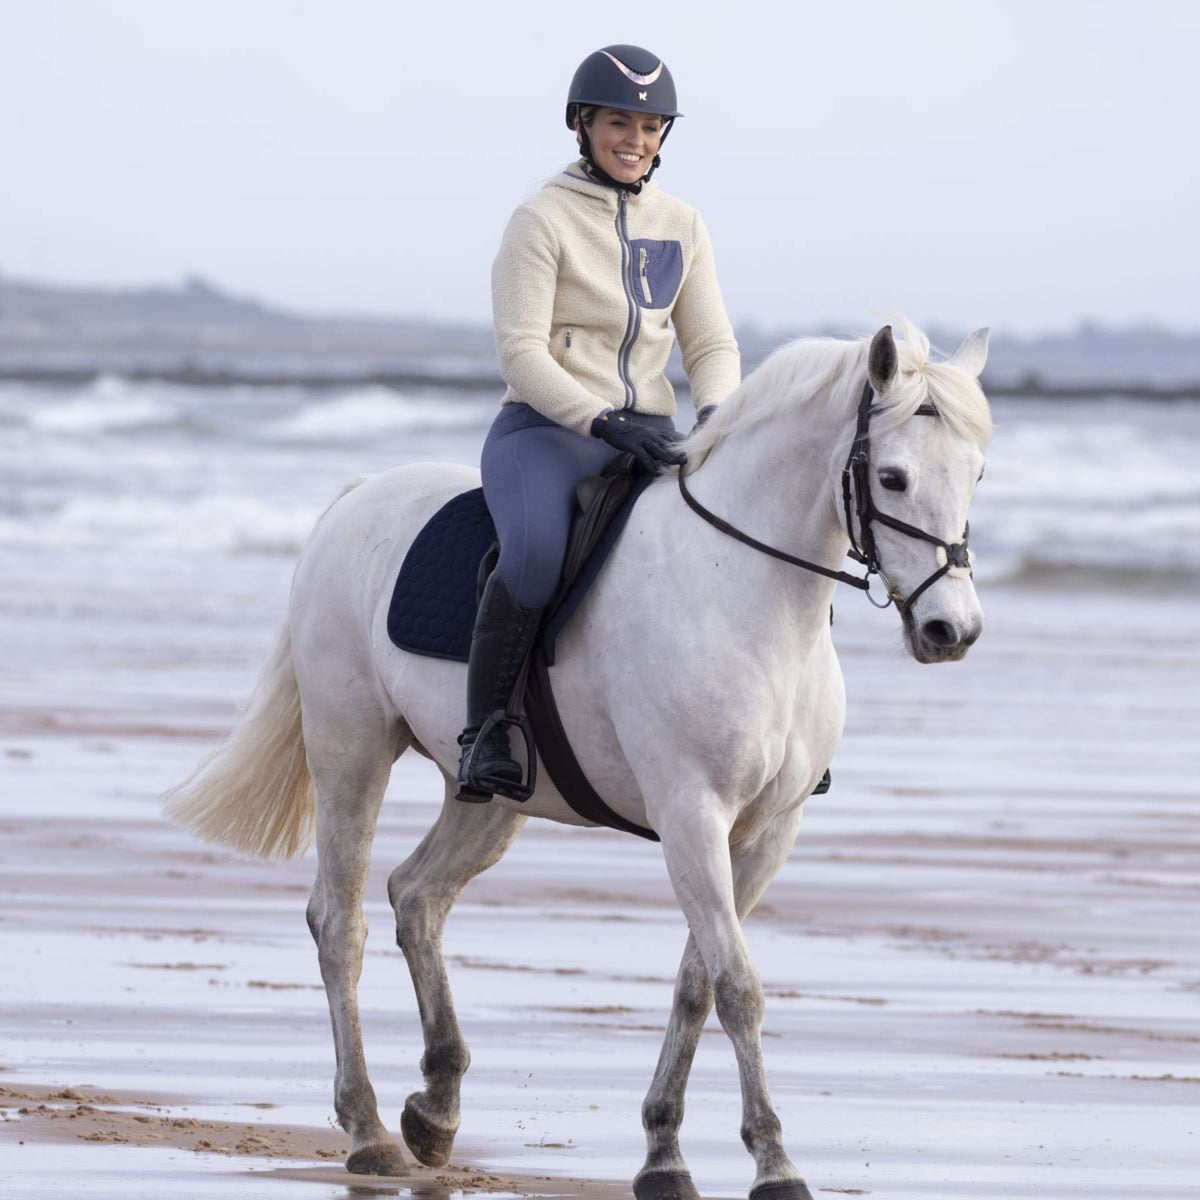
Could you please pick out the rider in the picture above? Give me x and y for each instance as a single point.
(592, 273)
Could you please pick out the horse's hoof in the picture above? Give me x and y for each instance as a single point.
(664, 1185)
(786, 1189)
(430, 1143)
(382, 1159)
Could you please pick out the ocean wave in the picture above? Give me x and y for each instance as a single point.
(377, 409)
(1033, 569)
(223, 523)
(110, 403)
(1021, 540)
(1112, 464)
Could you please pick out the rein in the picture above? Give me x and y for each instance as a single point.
(856, 481)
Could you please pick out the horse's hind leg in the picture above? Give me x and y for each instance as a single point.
(665, 1175)
(467, 839)
(350, 755)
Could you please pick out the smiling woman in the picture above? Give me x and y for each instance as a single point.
(624, 144)
(597, 275)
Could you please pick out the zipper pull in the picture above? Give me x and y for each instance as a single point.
(568, 339)
(642, 256)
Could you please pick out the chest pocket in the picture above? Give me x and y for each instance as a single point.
(657, 271)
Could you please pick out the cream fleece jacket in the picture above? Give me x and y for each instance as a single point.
(588, 282)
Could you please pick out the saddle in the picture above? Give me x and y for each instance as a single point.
(436, 595)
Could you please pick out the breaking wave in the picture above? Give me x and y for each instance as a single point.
(376, 410)
(109, 404)
(224, 523)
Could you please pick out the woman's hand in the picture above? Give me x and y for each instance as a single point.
(653, 448)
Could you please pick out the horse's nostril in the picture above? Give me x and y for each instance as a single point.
(940, 633)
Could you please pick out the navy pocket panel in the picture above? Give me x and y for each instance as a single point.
(657, 271)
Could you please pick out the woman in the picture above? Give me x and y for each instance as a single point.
(593, 272)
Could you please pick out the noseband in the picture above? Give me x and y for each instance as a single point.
(856, 494)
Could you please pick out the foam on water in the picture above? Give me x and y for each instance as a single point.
(233, 524)
(108, 404)
(1108, 487)
(375, 410)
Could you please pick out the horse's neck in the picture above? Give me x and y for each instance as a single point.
(774, 484)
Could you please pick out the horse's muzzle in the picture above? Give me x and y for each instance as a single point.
(938, 640)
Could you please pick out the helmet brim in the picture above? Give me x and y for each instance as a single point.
(649, 109)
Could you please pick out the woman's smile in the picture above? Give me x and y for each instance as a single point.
(624, 143)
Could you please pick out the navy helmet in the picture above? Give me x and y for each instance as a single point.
(625, 77)
(628, 78)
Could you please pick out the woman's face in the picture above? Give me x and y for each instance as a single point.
(624, 144)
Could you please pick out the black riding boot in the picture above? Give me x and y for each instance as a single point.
(504, 633)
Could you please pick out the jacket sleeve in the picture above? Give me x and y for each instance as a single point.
(711, 358)
(524, 280)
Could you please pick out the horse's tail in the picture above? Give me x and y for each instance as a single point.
(254, 794)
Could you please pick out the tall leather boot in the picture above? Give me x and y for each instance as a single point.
(503, 635)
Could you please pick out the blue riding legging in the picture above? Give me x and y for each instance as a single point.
(531, 466)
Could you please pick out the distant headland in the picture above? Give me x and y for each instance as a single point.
(200, 334)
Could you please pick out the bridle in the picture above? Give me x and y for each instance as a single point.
(856, 484)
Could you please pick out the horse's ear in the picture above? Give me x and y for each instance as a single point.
(971, 356)
(883, 360)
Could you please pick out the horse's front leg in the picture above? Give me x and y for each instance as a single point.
(665, 1175)
(695, 840)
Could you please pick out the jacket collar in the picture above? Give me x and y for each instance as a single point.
(574, 177)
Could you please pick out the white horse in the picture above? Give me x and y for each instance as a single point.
(732, 640)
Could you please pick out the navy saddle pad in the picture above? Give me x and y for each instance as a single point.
(436, 593)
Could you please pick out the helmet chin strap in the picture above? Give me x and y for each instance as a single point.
(585, 146)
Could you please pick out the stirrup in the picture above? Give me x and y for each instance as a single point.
(473, 785)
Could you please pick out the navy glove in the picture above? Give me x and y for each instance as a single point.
(651, 447)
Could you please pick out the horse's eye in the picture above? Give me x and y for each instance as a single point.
(894, 479)
(981, 471)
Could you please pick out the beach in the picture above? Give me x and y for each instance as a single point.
(980, 961)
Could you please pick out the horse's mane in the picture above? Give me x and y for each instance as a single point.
(800, 371)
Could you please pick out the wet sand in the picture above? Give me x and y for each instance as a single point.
(981, 965)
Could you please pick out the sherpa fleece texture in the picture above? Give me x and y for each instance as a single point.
(583, 302)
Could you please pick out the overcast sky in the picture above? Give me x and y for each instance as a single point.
(1020, 163)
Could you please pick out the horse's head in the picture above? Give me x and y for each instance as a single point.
(913, 483)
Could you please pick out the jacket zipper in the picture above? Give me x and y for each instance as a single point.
(642, 256)
(634, 309)
(568, 339)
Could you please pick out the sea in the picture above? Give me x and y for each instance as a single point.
(1096, 492)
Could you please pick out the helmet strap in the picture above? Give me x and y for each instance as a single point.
(594, 168)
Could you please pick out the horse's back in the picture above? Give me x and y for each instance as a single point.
(348, 567)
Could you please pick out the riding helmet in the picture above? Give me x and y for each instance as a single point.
(625, 77)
